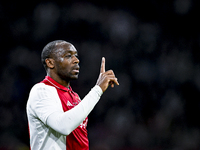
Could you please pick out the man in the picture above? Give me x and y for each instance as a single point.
(57, 117)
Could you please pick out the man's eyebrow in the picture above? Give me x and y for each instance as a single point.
(71, 51)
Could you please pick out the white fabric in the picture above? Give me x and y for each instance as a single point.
(48, 124)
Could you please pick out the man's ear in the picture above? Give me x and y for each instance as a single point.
(50, 63)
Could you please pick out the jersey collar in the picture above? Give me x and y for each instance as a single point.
(52, 82)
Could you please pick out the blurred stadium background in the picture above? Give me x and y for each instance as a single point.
(153, 46)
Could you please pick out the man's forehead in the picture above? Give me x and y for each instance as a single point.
(65, 47)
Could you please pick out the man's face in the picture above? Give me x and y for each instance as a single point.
(66, 61)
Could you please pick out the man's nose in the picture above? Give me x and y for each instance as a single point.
(76, 60)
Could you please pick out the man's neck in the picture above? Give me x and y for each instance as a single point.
(56, 78)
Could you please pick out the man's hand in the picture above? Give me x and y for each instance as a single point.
(106, 78)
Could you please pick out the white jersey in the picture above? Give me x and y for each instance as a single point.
(49, 125)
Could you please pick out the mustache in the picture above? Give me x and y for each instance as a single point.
(75, 67)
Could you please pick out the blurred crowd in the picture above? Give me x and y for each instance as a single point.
(152, 46)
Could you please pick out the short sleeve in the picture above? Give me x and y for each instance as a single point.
(43, 101)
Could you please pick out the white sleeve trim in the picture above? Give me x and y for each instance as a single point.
(66, 122)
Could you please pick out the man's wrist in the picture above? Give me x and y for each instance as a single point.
(98, 89)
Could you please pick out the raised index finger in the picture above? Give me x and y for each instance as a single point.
(102, 70)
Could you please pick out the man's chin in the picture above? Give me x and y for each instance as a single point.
(74, 77)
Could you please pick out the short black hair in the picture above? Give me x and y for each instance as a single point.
(48, 51)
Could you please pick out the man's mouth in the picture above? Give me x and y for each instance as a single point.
(76, 69)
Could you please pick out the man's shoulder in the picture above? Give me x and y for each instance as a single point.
(41, 89)
(41, 86)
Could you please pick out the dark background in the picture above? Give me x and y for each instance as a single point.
(153, 47)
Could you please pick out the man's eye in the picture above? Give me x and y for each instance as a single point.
(68, 56)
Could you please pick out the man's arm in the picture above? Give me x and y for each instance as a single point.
(66, 122)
